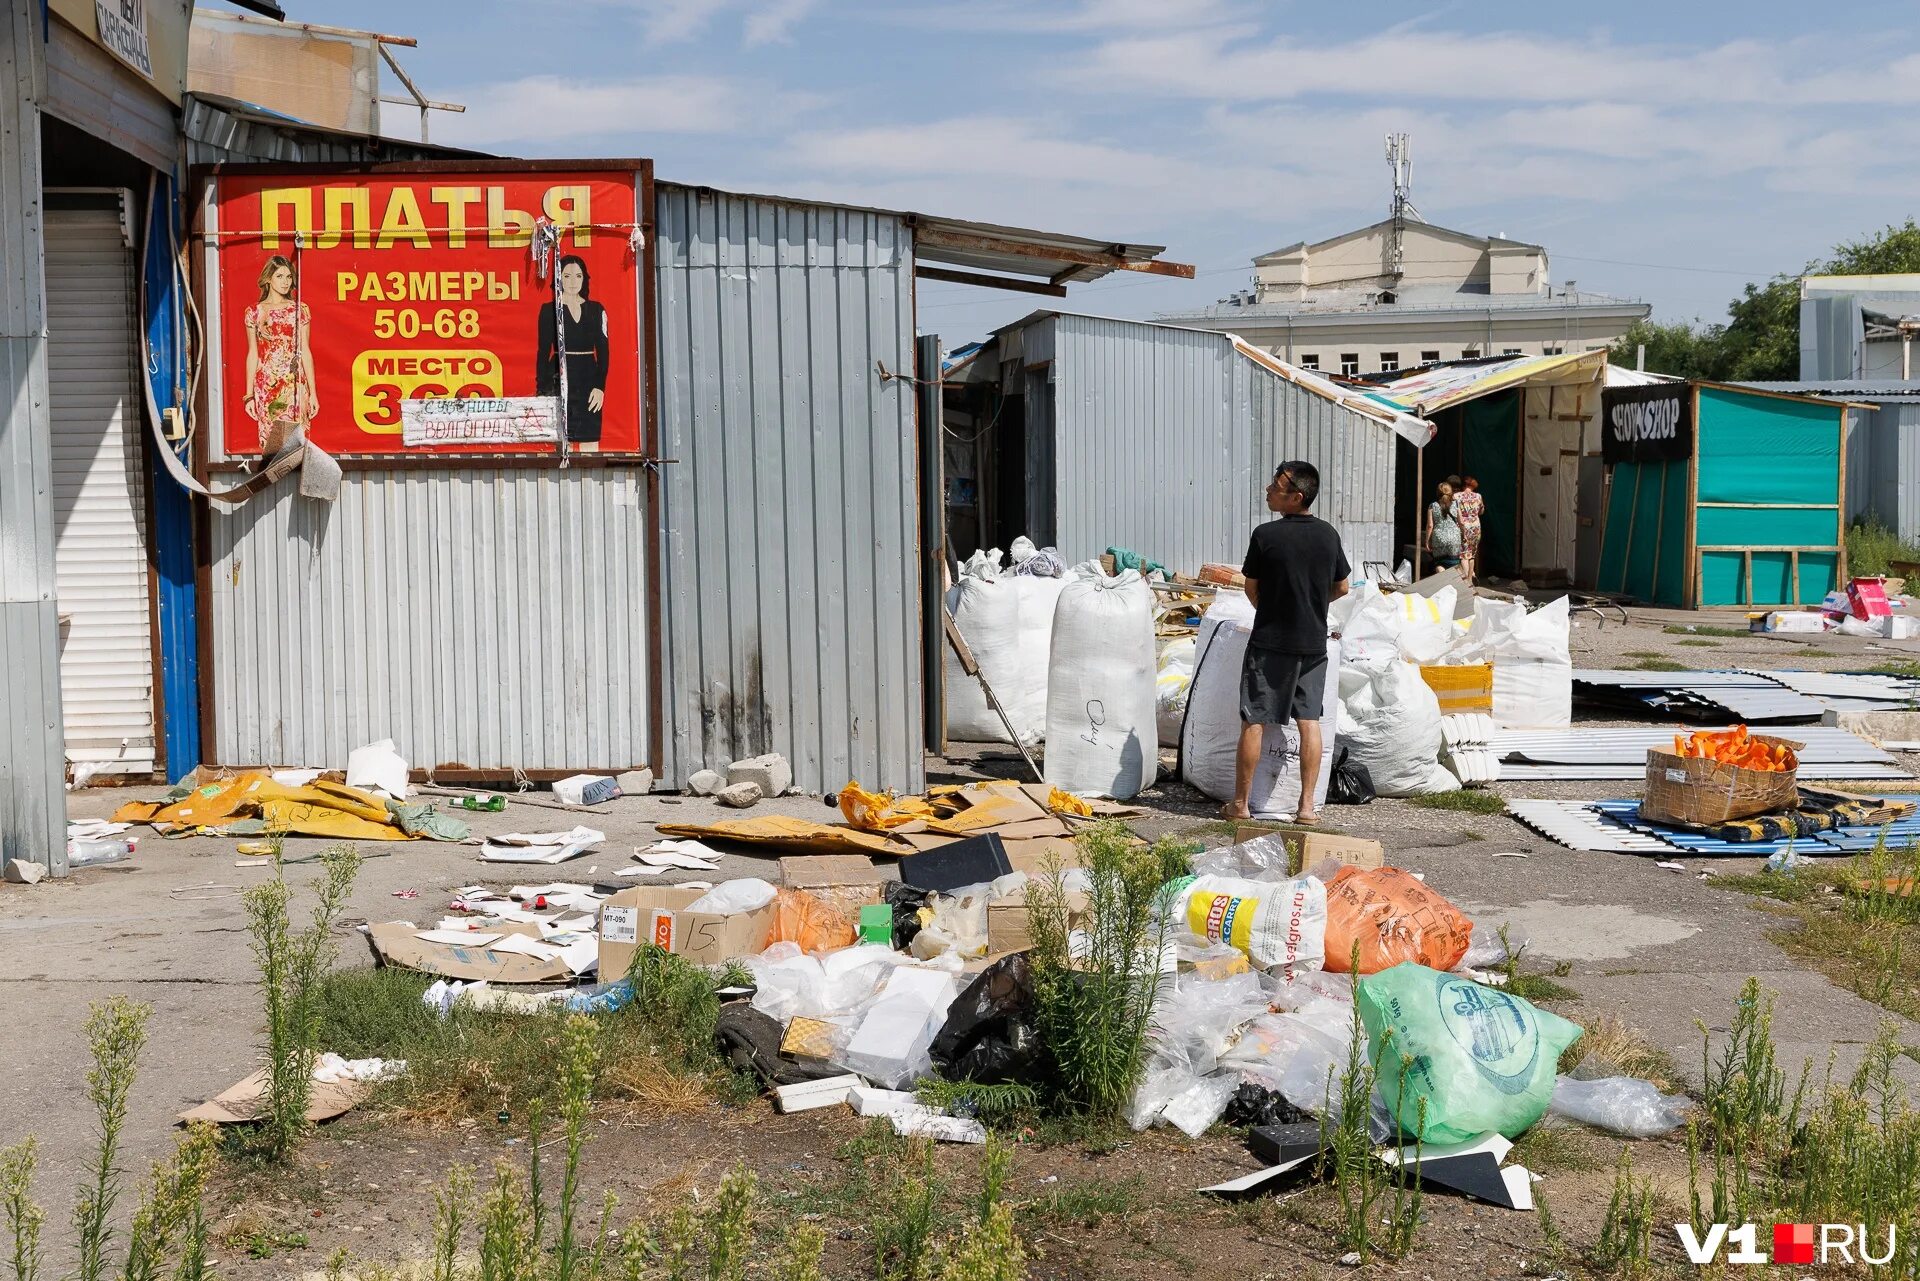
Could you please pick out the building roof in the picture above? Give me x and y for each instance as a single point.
(1465, 237)
(1854, 390)
(1414, 429)
(1437, 387)
(1351, 305)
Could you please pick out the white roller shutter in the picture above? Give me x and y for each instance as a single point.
(99, 491)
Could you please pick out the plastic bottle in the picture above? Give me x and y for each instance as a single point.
(489, 804)
(91, 852)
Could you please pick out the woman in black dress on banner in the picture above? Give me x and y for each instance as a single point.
(586, 354)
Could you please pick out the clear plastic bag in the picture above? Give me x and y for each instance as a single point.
(1623, 1105)
(731, 897)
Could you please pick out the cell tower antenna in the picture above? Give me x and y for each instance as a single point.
(1400, 160)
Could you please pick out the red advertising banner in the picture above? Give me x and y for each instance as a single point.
(430, 313)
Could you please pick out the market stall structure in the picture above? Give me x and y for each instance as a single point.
(1723, 495)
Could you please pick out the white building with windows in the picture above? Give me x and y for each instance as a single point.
(1404, 293)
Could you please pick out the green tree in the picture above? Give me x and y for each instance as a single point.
(1761, 339)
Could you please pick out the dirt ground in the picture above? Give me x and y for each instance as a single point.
(1658, 949)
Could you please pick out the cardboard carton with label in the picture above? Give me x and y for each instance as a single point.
(658, 915)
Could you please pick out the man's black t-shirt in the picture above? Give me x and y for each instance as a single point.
(1295, 559)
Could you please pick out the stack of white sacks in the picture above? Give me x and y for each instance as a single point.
(1073, 661)
(1070, 659)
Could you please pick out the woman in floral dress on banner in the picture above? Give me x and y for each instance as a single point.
(279, 361)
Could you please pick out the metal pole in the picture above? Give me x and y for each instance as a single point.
(33, 802)
(933, 549)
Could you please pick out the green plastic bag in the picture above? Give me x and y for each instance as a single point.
(1481, 1059)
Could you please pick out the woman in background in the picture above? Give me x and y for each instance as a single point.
(1443, 530)
(1468, 508)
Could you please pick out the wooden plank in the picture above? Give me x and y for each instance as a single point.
(949, 276)
(1840, 519)
(1795, 554)
(1817, 507)
(1748, 554)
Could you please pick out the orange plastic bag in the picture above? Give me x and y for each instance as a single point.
(801, 918)
(1394, 917)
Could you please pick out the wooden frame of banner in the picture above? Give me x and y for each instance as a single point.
(1690, 597)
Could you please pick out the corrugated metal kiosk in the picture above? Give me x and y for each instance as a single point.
(1723, 495)
(751, 582)
(1084, 432)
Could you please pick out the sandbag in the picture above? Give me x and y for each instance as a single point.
(1280, 925)
(1007, 621)
(1390, 722)
(1393, 916)
(1210, 734)
(1102, 736)
(1476, 1058)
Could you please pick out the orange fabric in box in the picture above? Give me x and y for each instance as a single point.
(1394, 917)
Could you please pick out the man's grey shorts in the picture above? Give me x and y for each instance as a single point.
(1276, 688)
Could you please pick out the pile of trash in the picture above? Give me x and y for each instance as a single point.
(1870, 606)
(869, 981)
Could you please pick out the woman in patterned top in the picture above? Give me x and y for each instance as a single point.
(1468, 508)
(279, 362)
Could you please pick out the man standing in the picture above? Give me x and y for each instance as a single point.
(1295, 568)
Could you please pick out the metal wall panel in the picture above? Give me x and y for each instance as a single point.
(790, 505)
(1356, 457)
(492, 619)
(1151, 444)
(1165, 437)
(33, 808)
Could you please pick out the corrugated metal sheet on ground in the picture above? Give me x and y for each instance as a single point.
(1841, 840)
(1577, 825)
(1745, 696)
(1852, 691)
(1595, 752)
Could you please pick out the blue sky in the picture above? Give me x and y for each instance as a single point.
(1669, 152)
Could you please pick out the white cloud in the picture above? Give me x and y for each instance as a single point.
(1233, 64)
(549, 109)
(673, 21)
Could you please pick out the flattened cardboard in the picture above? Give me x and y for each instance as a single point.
(779, 831)
(974, 861)
(245, 1100)
(656, 914)
(1034, 855)
(397, 943)
(829, 871)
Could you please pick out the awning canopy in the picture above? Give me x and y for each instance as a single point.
(1019, 258)
(1416, 431)
(1443, 386)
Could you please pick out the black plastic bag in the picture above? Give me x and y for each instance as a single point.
(750, 1041)
(1253, 1105)
(1351, 783)
(989, 1037)
(906, 902)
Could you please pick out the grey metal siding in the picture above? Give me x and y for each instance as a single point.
(1152, 451)
(214, 134)
(1356, 457)
(33, 808)
(1165, 438)
(492, 619)
(790, 502)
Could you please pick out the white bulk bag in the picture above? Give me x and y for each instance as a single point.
(1008, 624)
(1175, 679)
(1102, 739)
(1210, 739)
(1532, 668)
(1390, 722)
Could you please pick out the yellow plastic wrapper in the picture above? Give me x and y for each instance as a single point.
(881, 811)
(1067, 803)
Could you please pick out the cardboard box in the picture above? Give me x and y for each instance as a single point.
(1466, 687)
(1309, 848)
(1868, 597)
(656, 914)
(1010, 928)
(1692, 791)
